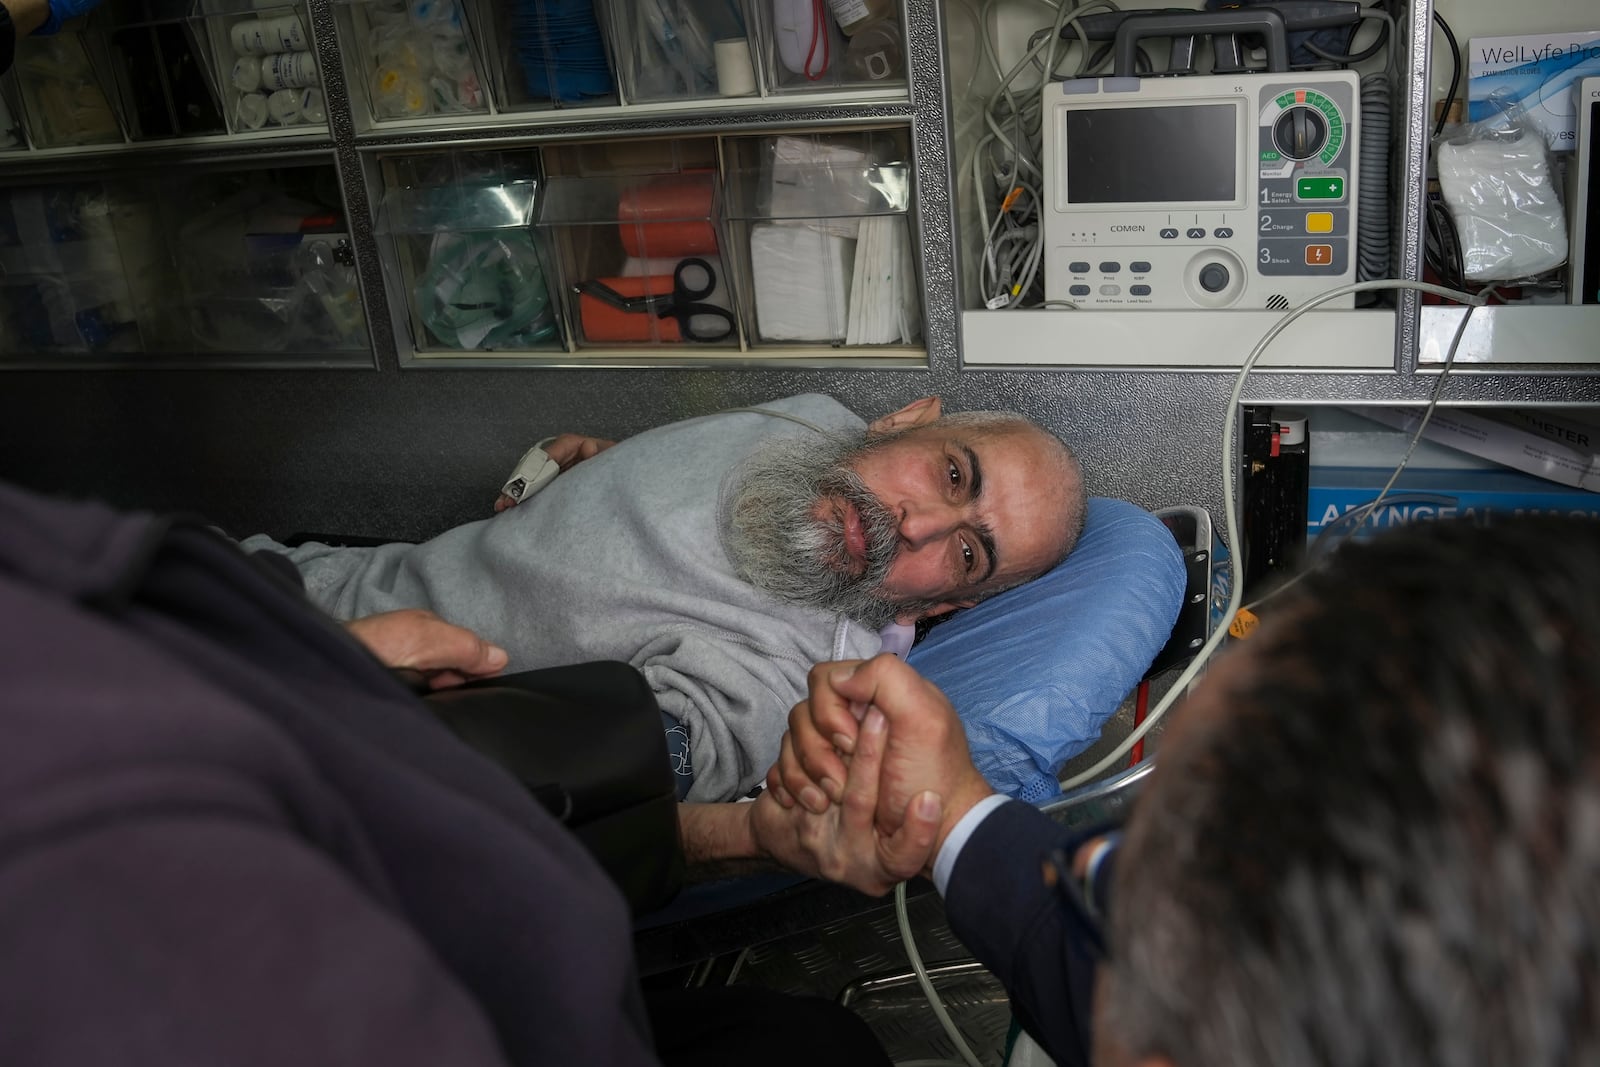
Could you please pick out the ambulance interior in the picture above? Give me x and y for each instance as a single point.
(334, 266)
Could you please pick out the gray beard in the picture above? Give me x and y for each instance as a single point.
(777, 545)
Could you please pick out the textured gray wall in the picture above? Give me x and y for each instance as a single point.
(406, 453)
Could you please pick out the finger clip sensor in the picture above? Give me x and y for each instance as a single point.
(533, 472)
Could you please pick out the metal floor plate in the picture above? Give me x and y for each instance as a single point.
(861, 962)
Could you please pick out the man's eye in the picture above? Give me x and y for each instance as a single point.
(955, 473)
(968, 558)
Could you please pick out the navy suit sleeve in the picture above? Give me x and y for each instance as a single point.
(1018, 927)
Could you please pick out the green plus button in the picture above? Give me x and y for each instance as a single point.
(1327, 187)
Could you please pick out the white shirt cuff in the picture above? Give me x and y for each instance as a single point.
(945, 862)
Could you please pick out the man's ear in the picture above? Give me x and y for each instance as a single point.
(917, 413)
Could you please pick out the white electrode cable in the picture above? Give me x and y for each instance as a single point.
(1230, 509)
(1356, 519)
(926, 981)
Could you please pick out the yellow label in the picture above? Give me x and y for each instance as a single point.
(1244, 624)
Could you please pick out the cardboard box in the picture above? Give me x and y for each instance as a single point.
(1538, 72)
(1432, 495)
(1555, 447)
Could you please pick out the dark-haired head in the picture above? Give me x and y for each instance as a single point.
(1374, 835)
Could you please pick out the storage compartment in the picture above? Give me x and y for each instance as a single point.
(63, 281)
(412, 59)
(822, 225)
(682, 50)
(164, 76)
(637, 231)
(235, 264)
(267, 66)
(810, 45)
(64, 83)
(459, 243)
(547, 53)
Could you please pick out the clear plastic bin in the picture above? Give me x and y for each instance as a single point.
(62, 272)
(412, 59)
(237, 261)
(806, 49)
(64, 84)
(266, 66)
(637, 230)
(550, 54)
(822, 223)
(264, 262)
(682, 49)
(459, 242)
(161, 67)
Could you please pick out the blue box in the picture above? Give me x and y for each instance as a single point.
(1429, 495)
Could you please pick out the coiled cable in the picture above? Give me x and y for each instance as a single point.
(1373, 245)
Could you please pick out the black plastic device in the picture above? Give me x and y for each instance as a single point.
(1185, 24)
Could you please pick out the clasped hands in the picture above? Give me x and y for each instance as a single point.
(873, 775)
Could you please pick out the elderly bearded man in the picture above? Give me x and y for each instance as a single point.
(723, 556)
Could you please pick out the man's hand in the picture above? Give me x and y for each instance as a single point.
(926, 750)
(567, 450)
(417, 640)
(570, 449)
(843, 844)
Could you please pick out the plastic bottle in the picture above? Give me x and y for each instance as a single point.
(853, 15)
(313, 108)
(246, 75)
(284, 107)
(288, 70)
(251, 111)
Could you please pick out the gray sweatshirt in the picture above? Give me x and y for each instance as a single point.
(621, 558)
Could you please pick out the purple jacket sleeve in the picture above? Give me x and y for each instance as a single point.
(208, 937)
(999, 906)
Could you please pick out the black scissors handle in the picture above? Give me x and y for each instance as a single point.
(697, 320)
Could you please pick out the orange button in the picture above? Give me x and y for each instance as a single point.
(1319, 255)
(1319, 222)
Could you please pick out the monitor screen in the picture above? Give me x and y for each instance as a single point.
(1152, 155)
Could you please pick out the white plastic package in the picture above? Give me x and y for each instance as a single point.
(1501, 194)
(802, 283)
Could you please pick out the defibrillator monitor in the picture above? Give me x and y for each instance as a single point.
(1211, 191)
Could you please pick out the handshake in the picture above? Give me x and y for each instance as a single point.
(873, 776)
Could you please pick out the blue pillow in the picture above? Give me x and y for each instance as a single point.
(1035, 672)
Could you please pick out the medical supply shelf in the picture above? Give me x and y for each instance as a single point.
(413, 86)
(655, 250)
(415, 62)
(340, 34)
(181, 70)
